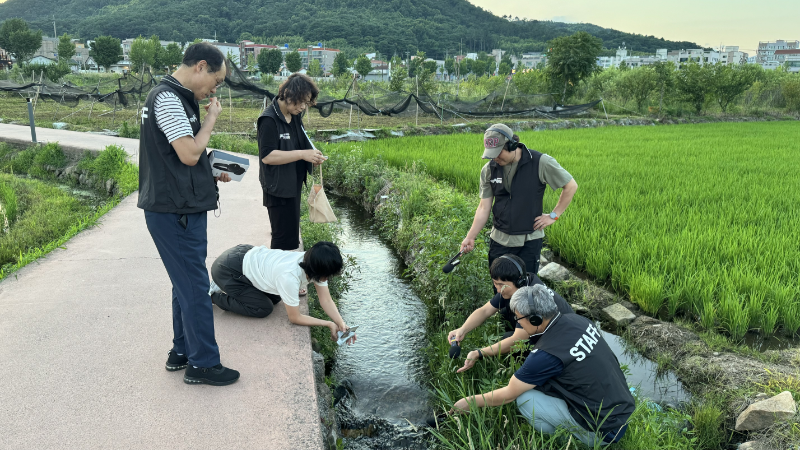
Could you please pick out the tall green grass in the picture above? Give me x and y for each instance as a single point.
(675, 216)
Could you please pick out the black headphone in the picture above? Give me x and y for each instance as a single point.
(534, 319)
(512, 143)
(523, 278)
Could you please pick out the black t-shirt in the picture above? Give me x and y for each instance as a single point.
(268, 140)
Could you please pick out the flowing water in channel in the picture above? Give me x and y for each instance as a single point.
(384, 371)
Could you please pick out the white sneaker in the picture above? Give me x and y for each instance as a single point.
(214, 288)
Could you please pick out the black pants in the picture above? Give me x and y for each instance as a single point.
(530, 253)
(239, 296)
(284, 218)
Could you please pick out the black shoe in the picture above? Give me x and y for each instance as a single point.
(215, 376)
(176, 361)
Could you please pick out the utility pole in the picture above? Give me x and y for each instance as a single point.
(55, 35)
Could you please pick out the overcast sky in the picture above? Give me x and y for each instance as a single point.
(707, 22)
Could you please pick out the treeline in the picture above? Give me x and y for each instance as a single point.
(437, 27)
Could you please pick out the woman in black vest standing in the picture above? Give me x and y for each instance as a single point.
(287, 157)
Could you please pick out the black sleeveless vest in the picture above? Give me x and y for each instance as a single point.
(592, 384)
(282, 180)
(515, 211)
(167, 185)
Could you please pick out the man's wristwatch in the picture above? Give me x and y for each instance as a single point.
(553, 215)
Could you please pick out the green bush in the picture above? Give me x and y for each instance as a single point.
(233, 143)
(128, 131)
(45, 213)
(8, 202)
(109, 162)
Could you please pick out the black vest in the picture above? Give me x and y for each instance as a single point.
(281, 181)
(167, 185)
(515, 211)
(592, 384)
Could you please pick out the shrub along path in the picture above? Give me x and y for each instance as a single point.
(85, 331)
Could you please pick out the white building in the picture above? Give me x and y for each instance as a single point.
(766, 50)
(126, 47)
(730, 55)
(607, 62)
(697, 55)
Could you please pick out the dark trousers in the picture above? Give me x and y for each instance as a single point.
(284, 218)
(530, 253)
(240, 295)
(183, 252)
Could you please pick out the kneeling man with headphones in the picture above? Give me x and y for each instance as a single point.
(508, 275)
(570, 380)
(512, 189)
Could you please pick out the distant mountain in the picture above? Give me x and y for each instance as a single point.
(437, 27)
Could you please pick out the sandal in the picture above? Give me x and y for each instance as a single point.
(303, 292)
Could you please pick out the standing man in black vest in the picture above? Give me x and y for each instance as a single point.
(570, 380)
(512, 189)
(176, 190)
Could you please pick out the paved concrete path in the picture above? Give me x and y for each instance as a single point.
(84, 335)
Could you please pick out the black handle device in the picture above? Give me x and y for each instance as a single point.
(454, 261)
(455, 349)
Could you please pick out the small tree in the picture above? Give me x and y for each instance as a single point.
(269, 61)
(66, 49)
(18, 40)
(790, 87)
(399, 76)
(571, 59)
(506, 65)
(142, 53)
(693, 81)
(314, 68)
(293, 61)
(106, 51)
(450, 66)
(729, 82)
(158, 53)
(665, 72)
(531, 81)
(233, 57)
(363, 66)
(639, 84)
(340, 64)
(429, 66)
(173, 56)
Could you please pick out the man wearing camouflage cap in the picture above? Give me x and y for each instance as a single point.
(512, 188)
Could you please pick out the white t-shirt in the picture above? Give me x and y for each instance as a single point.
(276, 272)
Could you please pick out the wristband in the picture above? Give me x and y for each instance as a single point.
(480, 353)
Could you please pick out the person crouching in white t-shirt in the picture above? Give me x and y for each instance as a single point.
(250, 280)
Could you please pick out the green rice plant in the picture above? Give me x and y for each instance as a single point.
(708, 316)
(734, 315)
(647, 292)
(791, 317)
(769, 318)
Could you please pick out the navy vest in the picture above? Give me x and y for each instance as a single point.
(515, 211)
(167, 185)
(592, 384)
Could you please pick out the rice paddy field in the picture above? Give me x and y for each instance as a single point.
(701, 221)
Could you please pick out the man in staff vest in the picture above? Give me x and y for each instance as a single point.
(512, 189)
(570, 380)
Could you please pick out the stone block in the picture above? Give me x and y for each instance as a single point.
(554, 272)
(765, 413)
(543, 261)
(752, 445)
(618, 315)
(579, 309)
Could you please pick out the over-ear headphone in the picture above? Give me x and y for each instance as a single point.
(512, 143)
(523, 277)
(534, 319)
